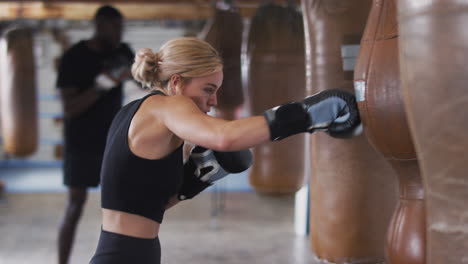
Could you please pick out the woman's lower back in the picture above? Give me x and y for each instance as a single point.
(129, 224)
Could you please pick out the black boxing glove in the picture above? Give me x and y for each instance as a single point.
(206, 166)
(333, 111)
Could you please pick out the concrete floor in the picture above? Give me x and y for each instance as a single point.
(250, 229)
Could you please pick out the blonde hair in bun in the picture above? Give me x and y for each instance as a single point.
(145, 66)
(187, 57)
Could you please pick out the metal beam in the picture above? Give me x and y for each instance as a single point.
(132, 9)
(41, 10)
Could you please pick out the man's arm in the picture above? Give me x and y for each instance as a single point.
(74, 102)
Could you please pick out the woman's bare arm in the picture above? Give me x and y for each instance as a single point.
(172, 201)
(185, 119)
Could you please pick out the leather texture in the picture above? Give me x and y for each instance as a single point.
(224, 33)
(18, 105)
(406, 239)
(353, 188)
(385, 124)
(433, 52)
(276, 70)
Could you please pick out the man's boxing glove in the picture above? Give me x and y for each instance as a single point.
(333, 111)
(206, 166)
(105, 82)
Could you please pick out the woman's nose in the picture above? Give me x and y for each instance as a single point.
(213, 101)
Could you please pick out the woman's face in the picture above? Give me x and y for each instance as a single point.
(203, 90)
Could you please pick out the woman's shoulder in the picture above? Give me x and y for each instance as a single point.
(170, 102)
(168, 109)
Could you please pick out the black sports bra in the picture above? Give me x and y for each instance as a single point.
(132, 184)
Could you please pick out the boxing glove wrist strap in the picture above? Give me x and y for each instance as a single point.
(286, 120)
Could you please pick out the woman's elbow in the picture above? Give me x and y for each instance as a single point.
(224, 142)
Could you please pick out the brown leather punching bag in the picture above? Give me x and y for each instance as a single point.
(18, 107)
(379, 95)
(352, 188)
(433, 52)
(224, 33)
(276, 75)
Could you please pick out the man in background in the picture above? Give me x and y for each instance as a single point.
(90, 78)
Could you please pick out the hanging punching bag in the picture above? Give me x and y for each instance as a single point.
(224, 33)
(2, 188)
(379, 94)
(433, 52)
(18, 107)
(276, 75)
(352, 187)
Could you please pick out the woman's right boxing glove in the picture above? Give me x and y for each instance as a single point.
(333, 111)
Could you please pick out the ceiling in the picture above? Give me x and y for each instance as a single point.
(132, 9)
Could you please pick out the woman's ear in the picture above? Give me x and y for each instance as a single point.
(174, 82)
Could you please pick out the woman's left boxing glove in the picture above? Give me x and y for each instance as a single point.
(206, 166)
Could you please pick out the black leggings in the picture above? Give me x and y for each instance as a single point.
(121, 249)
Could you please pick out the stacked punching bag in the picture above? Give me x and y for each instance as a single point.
(352, 188)
(224, 33)
(380, 101)
(276, 75)
(433, 52)
(18, 107)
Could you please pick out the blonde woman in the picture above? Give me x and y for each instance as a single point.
(143, 170)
